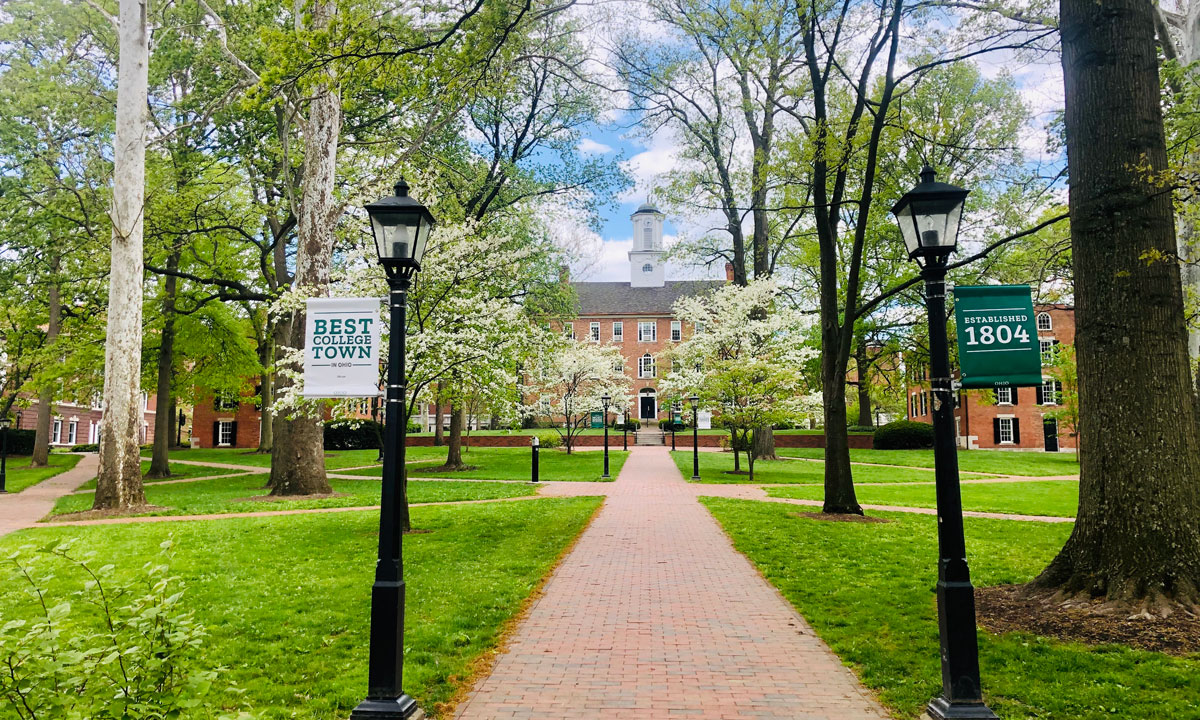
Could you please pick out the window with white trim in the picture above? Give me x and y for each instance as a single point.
(1004, 396)
(676, 330)
(1050, 391)
(72, 432)
(618, 331)
(225, 432)
(1047, 348)
(569, 330)
(647, 268)
(698, 328)
(646, 366)
(56, 432)
(647, 331)
(1043, 322)
(594, 331)
(1006, 431)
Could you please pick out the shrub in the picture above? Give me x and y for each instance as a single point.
(353, 435)
(94, 447)
(20, 442)
(140, 662)
(904, 435)
(862, 428)
(630, 425)
(549, 439)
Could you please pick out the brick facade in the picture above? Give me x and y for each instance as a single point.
(242, 421)
(1020, 423)
(75, 424)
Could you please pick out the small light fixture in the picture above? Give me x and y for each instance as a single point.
(929, 216)
(401, 227)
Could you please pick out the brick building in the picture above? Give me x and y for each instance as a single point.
(636, 316)
(79, 424)
(1017, 419)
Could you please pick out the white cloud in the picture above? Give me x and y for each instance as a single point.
(588, 146)
(660, 157)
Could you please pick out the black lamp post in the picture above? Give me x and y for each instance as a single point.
(401, 227)
(674, 423)
(625, 432)
(3, 453)
(605, 399)
(695, 400)
(929, 216)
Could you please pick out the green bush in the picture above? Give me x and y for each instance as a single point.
(94, 447)
(904, 435)
(140, 662)
(630, 425)
(353, 435)
(20, 442)
(549, 439)
(862, 428)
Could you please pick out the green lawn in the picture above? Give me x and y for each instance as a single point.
(334, 459)
(178, 472)
(227, 495)
(514, 464)
(286, 599)
(18, 475)
(1003, 462)
(867, 590)
(714, 467)
(1059, 498)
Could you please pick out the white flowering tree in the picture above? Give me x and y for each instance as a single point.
(569, 381)
(745, 363)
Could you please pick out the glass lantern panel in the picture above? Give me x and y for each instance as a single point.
(908, 228)
(423, 229)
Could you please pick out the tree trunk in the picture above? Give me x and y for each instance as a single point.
(41, 438)
(266, 432)
(733, 445)
(119, 482)
(438, 436)
(454, 447)
(1136, 541)
(174, 427)
(298, 455)
(862, 369)
(159, 465)
(762, 443)
(839, 482)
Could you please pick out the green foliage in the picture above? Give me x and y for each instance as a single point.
(20, 442)
(904, 435)
(549, 439)
(141, 663)
(353, 435)
(89, 448)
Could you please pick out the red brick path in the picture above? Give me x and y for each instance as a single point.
(655, 615)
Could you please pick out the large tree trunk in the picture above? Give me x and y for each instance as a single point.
(1136, 540)
(864, 387)
(438, 433)
(454, 447)
(298, 456)
(266, 432)
(839, 482)
(41, 438)
(119, 483)
(159, 464)
(762, 443)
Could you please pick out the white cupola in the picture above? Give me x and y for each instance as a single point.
(645, 259)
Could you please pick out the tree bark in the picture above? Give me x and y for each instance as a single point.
(266, 433)
(862, 367)
(840, 496)
(454, 447)
(762, 443)
(159, 463)
(298, 455)
(1136, 541)
(119, 482)
(41, 438)
(438, 433)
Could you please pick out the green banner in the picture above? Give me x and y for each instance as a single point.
(597, 419)
(997, 336)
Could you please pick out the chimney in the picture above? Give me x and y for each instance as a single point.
(728, 272)
(564, 274)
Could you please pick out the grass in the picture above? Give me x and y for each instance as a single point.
(227, 495)
(178, 472)
(1057, 498)
(286, 599)
(713, 467)
(18, 475)
(867, 590)
(334, 459)
(1001, 462)
(514, 464)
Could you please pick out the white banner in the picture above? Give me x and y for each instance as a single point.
(704, 420)
(341, 348)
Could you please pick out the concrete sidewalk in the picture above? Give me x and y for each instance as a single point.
(24, 509)
(655, 615)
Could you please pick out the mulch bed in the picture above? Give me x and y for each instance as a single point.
(1017, 608)
(105, 514)
(838, 517)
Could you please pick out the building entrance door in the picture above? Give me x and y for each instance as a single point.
(647, 408)
(1050, 432)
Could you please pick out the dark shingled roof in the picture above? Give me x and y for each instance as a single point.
(618, 298)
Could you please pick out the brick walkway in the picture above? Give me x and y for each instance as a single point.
(655, 615)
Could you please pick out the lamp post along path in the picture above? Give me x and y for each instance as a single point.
(695, 400)
(3, 455)
(929, 217)
(401, 228)
(605, 399)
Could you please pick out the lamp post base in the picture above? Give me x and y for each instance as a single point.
(942, 709)
(401, 708)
